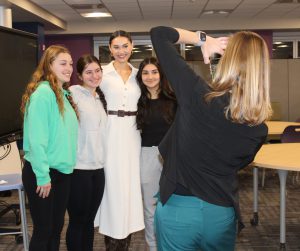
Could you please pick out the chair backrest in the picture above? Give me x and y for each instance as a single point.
(298, 120)
(291, 134)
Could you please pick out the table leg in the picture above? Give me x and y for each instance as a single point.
(254, 221)
(282, 179)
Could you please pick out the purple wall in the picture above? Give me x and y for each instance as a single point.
(77, 44)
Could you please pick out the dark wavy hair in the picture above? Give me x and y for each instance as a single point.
(165, 93)
(82, 62)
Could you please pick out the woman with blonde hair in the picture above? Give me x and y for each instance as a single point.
(217, 131)
(50, 140)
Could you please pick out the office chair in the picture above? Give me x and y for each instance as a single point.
(14, 182)
(291, 134)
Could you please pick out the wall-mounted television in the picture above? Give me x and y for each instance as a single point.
(18, 60)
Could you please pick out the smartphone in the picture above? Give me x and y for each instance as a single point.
(214, 60)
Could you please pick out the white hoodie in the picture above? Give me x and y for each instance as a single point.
(92, 123)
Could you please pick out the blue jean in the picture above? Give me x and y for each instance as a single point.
(187, 223)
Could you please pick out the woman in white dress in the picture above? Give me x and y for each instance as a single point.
(121, 210)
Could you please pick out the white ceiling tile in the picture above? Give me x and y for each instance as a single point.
(57, 7)
(221, 4)
(174, 9)
(155, 1)
(39, 2)
(82, 1)
(118, 1)
(259, 2)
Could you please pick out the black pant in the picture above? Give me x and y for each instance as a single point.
(87, 188)
(47, 214)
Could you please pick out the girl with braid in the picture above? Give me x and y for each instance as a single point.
(87, 182)
(50, 140)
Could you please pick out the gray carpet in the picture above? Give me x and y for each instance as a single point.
(264, 237)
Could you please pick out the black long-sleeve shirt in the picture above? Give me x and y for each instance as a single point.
(155, 126)
(203, 150)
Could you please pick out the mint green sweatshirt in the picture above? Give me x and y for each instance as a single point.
(50, 139)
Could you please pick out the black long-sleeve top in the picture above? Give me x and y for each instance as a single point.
(203, 150)
(155, 126)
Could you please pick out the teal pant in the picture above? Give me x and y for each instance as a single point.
(187, 223)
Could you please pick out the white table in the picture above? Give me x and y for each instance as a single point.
(282, 157)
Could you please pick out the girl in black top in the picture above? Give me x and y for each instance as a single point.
(156, 111)
(218, 129)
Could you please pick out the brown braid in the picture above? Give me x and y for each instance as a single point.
(102, 98)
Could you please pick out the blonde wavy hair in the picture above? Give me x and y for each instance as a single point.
(43, 72)
(243, 73)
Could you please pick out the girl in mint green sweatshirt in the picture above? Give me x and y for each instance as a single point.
(50, 140)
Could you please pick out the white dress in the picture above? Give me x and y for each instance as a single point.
(121, 209)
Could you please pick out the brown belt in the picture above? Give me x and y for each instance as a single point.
(122, 113)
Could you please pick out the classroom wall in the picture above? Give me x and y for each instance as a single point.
(284, 89)
(285, 73)
(294, 88)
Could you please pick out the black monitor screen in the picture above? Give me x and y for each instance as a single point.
(18, 60)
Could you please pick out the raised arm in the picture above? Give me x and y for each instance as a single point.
(209, 47)
(180, 75)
